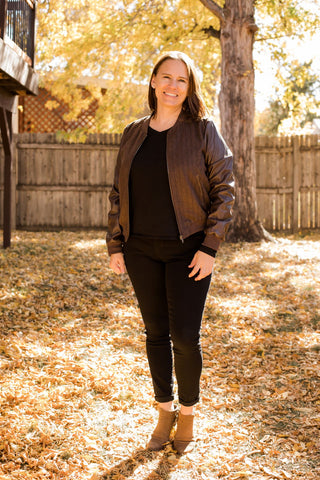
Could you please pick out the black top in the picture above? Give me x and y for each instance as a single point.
(152, 214)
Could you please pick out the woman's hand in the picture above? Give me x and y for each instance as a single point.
(117, 264)
(202, 263)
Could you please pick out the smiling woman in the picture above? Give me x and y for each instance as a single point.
(171, 205)
(175, 75)
(170, 85)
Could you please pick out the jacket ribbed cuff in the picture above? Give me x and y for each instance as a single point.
(208, 250)
(212, 241)
(114, 247)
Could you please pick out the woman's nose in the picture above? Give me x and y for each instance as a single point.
(173, 82)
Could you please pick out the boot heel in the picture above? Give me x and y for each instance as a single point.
(184, 434)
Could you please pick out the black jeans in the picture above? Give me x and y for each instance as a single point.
(171, 305)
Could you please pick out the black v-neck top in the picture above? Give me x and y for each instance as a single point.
(151, 209)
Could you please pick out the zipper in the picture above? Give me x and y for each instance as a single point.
(129, 181)
(179, 230)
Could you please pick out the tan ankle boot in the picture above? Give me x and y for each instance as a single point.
(184, 433)
(162, 431)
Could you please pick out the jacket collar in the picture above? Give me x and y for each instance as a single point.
(183, 117)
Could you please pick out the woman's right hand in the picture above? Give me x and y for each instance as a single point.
(117, 264)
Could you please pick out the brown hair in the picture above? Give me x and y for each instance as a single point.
(193, 105)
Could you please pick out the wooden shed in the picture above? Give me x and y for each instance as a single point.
(17, 77)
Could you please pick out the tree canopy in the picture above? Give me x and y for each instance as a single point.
(294, 103)
(118, 42)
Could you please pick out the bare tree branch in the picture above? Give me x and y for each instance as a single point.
(276, 37)
(212, 32)
(214, 8)
(253, 27)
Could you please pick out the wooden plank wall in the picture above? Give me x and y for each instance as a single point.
(288, 182)
(61, 185)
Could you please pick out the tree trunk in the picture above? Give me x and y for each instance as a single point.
(236, 102)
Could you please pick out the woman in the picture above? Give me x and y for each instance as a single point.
(170, 207)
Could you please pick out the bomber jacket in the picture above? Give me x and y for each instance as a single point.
(200, 178)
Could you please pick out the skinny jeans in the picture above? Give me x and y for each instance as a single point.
(171, 305)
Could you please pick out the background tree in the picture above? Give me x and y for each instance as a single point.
(237, 32)
(295, 102)
(118, 41)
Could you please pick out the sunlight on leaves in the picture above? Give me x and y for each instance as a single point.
(76, 398)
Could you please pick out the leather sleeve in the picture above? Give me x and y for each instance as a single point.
(219, 164)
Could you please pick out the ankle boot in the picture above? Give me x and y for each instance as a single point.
(184, 433)
(163, 429)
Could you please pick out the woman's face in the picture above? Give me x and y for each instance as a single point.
(171, 84)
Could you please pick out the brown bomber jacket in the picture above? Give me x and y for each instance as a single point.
(200, 177)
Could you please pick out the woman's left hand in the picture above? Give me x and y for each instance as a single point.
(202, 263)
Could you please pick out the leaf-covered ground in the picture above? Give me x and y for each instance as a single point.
(76, 399)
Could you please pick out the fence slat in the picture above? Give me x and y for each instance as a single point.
(296, 171)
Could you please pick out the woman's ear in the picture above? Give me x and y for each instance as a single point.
(152, 83)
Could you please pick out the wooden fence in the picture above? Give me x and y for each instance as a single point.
(60, 185)
(288, 182)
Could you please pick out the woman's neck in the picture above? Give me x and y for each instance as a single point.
(164, 119)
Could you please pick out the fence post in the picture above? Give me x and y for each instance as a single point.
(6, 132)
(295, 184)
(14, 182)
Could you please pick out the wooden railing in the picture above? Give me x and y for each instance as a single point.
(17, 22)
